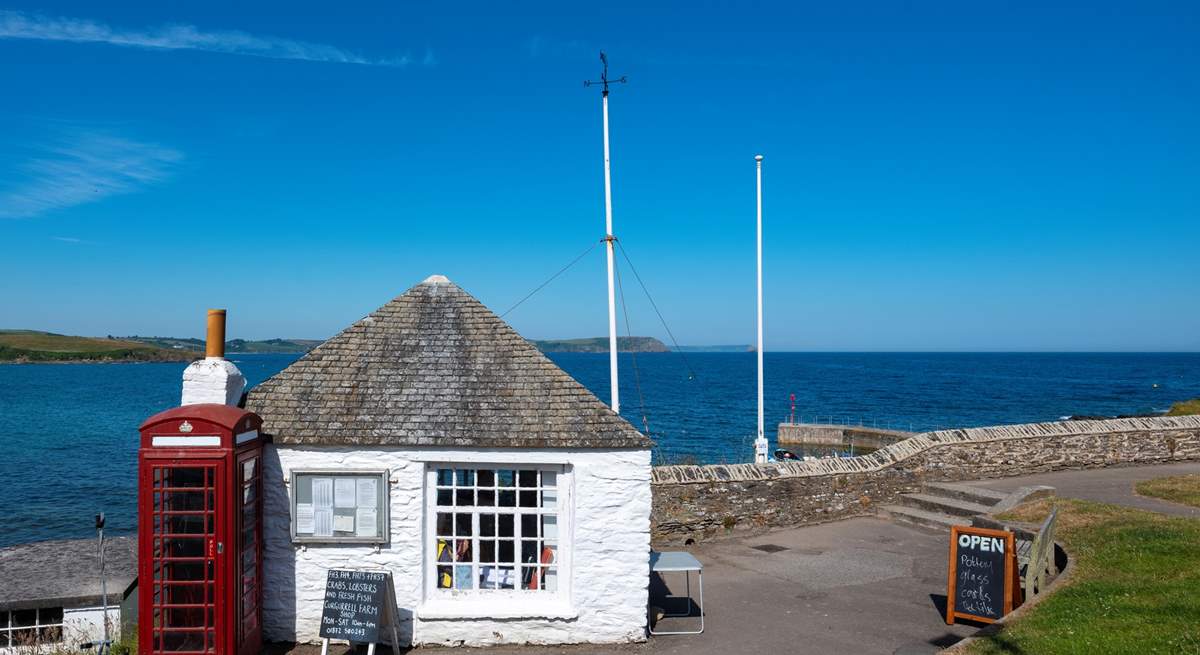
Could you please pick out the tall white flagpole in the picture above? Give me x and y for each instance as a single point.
(760, 443)
(609, 239)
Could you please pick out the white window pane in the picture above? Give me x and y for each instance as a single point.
(493, 534)
(488, 578)
(462, 577)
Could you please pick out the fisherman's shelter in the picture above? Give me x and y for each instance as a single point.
(430, 440)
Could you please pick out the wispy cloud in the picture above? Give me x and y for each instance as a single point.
(75, 241)
(19, 25)
(84, 169)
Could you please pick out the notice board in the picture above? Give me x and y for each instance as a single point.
(983, 569)
(356, 604)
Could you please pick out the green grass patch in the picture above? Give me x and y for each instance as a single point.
(1135, 586)
(29, 345)
(1184, 489)
(1185, 408)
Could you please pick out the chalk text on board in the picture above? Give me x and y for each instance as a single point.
(976, 542)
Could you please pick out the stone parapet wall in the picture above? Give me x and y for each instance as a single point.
(837, 435)
(698, 502)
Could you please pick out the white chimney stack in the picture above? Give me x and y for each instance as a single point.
(213, 379)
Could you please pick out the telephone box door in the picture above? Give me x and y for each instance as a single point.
(187, 509)
(248, 486)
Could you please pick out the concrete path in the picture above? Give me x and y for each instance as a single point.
(1109, 485)
(859, 586)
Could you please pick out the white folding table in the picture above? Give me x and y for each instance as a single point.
(680, 562)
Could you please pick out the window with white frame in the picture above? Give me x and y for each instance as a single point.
(43, 625)
(496, 528)
(339, 506)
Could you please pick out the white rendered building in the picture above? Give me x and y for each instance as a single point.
(432, 441)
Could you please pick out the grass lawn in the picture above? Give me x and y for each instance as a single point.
(1184, 489)
(1135, 587)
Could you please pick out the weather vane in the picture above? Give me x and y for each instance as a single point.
(604, 76)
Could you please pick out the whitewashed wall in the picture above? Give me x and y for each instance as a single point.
(87, 623)
(609, 563)
(80, 625)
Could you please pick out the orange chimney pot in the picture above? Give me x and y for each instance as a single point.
(215, 344)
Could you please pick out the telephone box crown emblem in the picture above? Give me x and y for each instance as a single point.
(185, 427)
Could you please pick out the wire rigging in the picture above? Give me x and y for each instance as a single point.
(552, 277)
(637, 378)
(691, 371)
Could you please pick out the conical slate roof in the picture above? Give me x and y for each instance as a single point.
(434, 367)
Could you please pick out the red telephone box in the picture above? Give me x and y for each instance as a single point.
(200, 532)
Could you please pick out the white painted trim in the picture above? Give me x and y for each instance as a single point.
(477, 608)
(498, 458)
(188, 441)
(246, 436)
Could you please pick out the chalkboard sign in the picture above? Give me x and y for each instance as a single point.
(982, 568)
(356, 605)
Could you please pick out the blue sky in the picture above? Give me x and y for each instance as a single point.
(938, 176)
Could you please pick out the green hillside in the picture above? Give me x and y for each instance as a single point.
(600, 345)
(35, 346)
(233, 346)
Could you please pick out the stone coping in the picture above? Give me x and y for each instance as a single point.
(902, 450)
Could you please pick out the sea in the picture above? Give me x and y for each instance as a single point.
(69, 431)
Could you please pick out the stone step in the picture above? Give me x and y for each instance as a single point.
(919, 518)
(943, 505)
(966, 492)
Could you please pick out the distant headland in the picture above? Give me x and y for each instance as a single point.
(600, 345)
(34, 346)
(626, 345)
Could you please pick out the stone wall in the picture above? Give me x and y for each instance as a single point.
(837, 435)
(700, 502)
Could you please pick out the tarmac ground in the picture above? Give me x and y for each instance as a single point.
(859, 586)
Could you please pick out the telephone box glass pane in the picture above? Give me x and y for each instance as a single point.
(249, 536)
(184, 532)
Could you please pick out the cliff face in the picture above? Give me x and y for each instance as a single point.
(600, 345)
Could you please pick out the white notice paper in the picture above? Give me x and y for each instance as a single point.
(343, 492)
(368, 491)
(366, 522)
(323, 523)
(304, 518)
(343, 523)
(322, 493)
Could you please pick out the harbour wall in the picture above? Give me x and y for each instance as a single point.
(813, 434)
(704, 502)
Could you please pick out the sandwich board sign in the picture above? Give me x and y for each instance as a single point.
(357, 605)
(983, 568)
